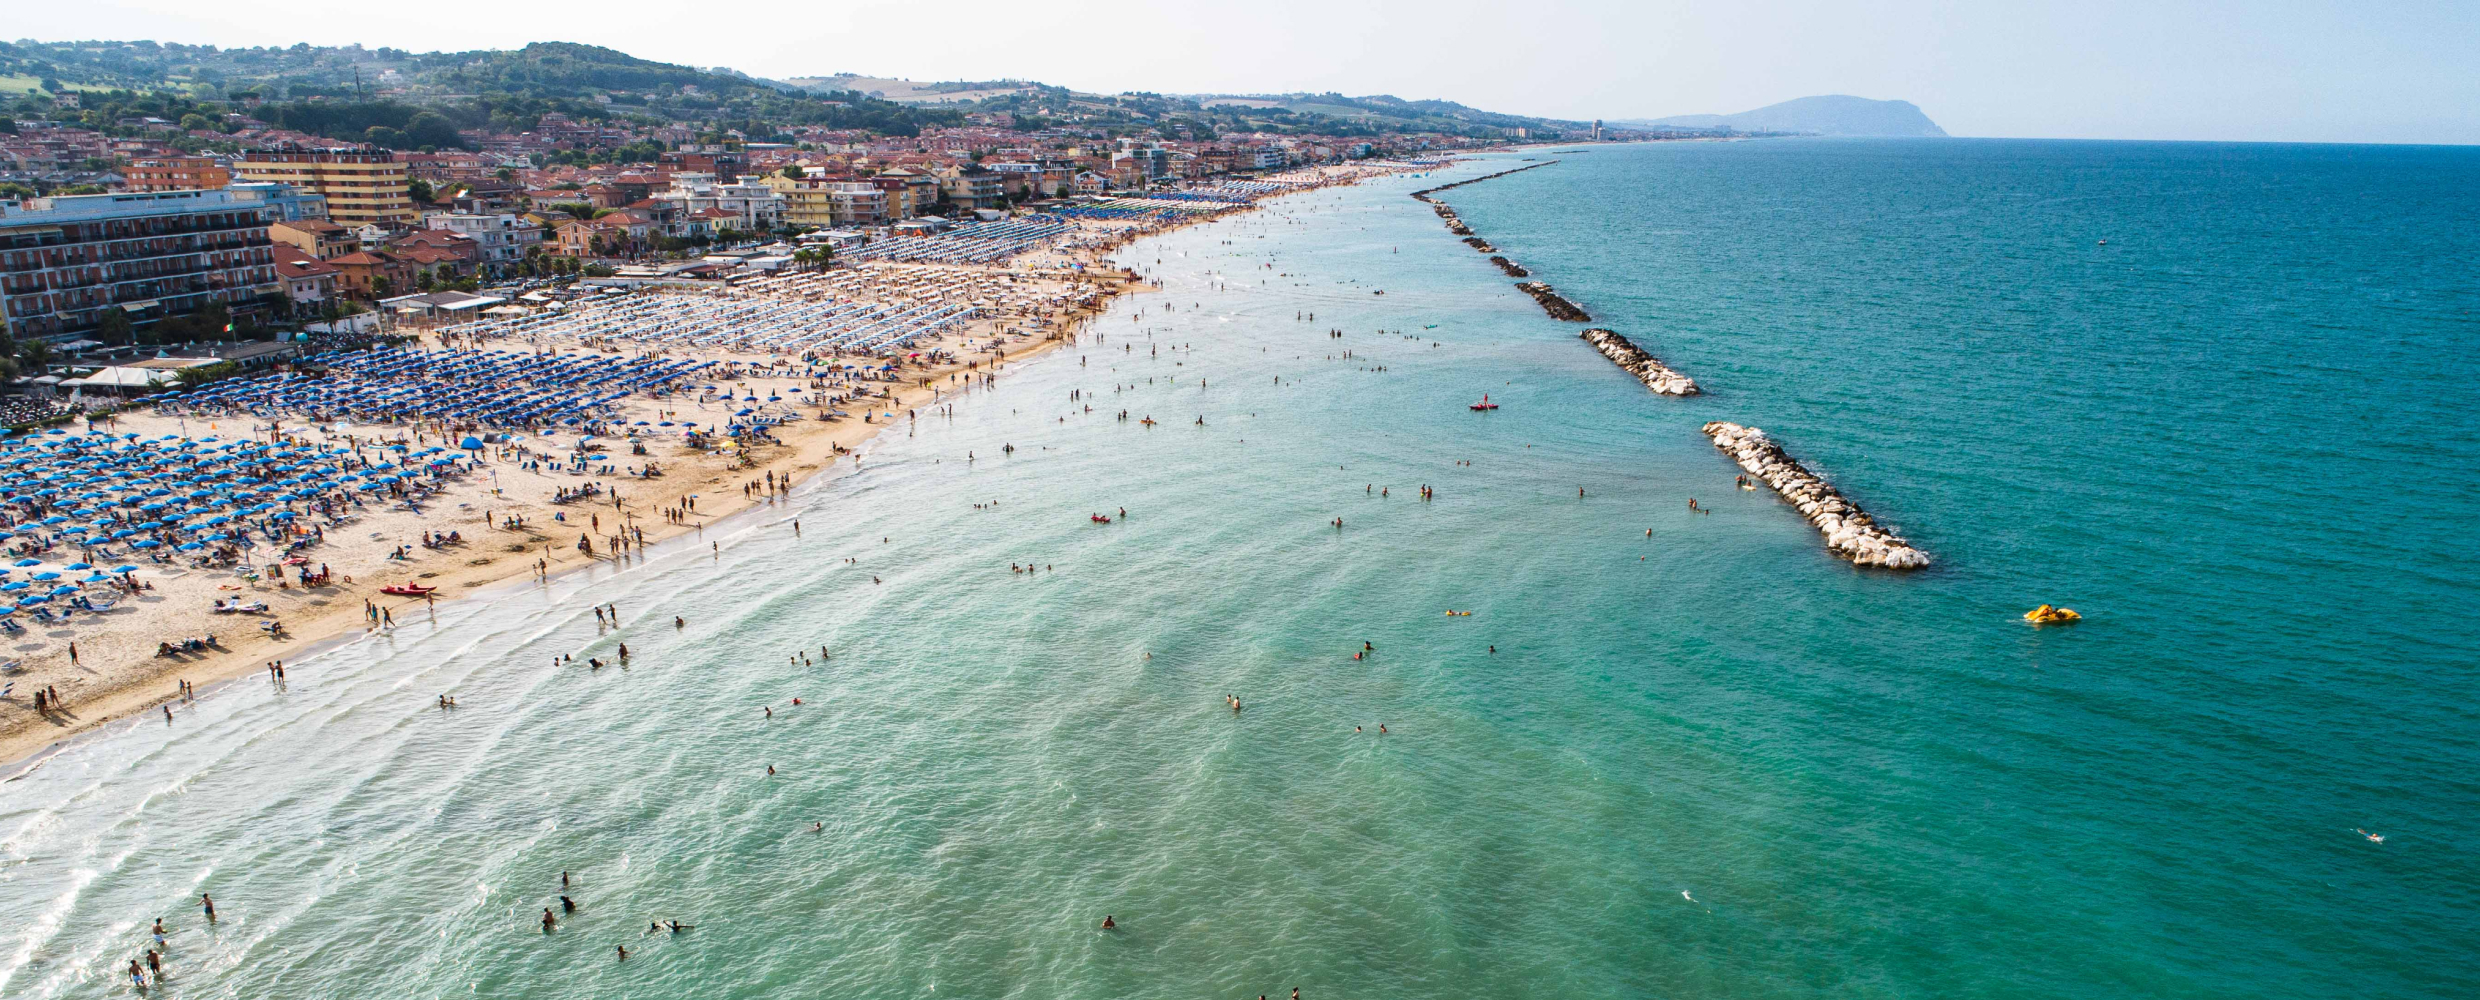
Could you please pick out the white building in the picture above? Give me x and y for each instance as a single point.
(504, 239)
(758, 207)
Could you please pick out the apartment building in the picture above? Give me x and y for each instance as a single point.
(501, 240)
(321, 239)
(972, 186)
(362, 186)
(756, 205)
(65, 261)
(175, 173)
(307, 280)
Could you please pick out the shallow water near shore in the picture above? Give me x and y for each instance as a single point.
(1712, 762)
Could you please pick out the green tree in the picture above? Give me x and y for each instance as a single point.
(212, 320)
(420, 190)
(191, 378)
(430, 128)
(34, 354)
(113, 327)
(380, 286)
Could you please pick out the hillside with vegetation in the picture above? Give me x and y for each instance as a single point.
(405, 100)
(408, 100)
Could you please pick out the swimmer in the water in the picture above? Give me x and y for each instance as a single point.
(2373, 838)
(1108, 923)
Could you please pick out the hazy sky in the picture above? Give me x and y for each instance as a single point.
(2308, 70)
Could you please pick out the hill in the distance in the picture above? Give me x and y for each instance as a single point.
(1830, 115)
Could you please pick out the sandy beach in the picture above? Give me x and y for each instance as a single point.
(118, 669)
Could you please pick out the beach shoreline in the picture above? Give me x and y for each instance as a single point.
(807, 451)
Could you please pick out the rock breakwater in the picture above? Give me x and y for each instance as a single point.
(1553, 303)
(1513, 269)
(1456, 224)
(1850, 532)
(1633, 359)
(1424, 193)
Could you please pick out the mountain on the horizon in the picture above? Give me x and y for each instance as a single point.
(1835, 114)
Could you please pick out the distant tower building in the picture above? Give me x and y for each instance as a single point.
(1597, 130)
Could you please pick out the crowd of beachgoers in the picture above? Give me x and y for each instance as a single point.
(205, 533)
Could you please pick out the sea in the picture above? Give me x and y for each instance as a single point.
(2219, 399)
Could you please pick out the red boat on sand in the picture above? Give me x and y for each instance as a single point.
(408, 590)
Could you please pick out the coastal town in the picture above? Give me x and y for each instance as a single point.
(266, 386)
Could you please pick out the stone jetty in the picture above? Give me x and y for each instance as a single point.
(1513, 269)
(1647, 368)
(1849, 531)
(1553, 303)
(1456, 225)
(1424, 193)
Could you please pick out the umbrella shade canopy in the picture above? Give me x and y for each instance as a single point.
(28, 562)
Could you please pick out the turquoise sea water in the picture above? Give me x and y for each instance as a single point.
(2239, 436)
